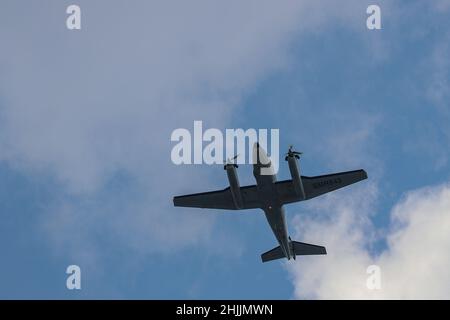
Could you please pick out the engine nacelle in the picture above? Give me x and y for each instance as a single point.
(235, 188)
(296, 178)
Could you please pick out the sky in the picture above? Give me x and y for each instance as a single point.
(86, 118)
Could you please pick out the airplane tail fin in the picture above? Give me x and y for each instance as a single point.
(297, 249)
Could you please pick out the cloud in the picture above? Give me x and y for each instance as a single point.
(93, 109)
(414, 264)
(85, 104)
(442, 5)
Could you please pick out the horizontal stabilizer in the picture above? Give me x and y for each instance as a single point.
(274, 254)
(302, 249)
(297, 249)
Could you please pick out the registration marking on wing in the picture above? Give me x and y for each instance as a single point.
(328, 182)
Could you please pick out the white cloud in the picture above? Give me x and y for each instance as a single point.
(87, 106)
(84, 104)
(94, 107)
(414, 251)
(442, 5)
(414, 264)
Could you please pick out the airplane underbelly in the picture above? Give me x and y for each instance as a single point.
(267, 192)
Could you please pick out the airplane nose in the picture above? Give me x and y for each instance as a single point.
(260, 155)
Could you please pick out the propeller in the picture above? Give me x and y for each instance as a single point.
(292, 153)
(230, 161)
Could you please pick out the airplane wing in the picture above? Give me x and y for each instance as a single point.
(221, 199)
(316, 186)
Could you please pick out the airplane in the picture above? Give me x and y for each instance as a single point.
(271, 195)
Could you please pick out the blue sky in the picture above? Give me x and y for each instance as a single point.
(85, 123)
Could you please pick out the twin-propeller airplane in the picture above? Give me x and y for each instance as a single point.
(270, 195)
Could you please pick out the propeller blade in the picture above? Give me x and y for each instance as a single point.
(293, 153)
(231, 161)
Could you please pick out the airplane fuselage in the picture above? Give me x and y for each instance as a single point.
(272, 207)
